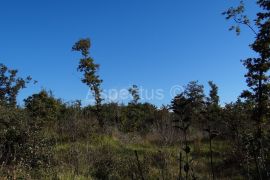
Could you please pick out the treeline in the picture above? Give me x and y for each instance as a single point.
(30, 134)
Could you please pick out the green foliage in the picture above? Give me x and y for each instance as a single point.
(188, 107)
(212, 111)
(189, 104)
(138, 117)
(89, 70)
(213, 95)
(76, 123)
(257, 79)
(49, 139)
(21, 145)
(43, 107)
(134, 91)
(237, 14)
(10, 85)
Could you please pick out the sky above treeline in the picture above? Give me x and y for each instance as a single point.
(159, 45)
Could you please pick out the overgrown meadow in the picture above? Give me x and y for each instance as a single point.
(193, 137)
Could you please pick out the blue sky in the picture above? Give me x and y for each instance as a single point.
(155, 44)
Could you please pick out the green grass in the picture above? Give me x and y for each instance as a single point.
(126, 150)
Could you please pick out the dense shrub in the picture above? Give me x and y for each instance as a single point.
(21, 144)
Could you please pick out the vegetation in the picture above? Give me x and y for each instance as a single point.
(192, 138)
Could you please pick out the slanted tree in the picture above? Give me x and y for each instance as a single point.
(89, 68)
(10, 85)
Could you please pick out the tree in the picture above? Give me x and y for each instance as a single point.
(212, 109)
(134, 91)
(89, 69)
(212, 117)
(43, 108)
(181, 107)
(188, 107)
(189, 104)
(213, 95)
(257, 77)
(10, 85)
(194, 92)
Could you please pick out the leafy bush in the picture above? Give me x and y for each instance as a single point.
(21, 144)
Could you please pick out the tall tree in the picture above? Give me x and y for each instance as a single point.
(257, 77)
(89, 68)
(258, 68)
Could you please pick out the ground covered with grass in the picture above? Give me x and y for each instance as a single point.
(113, 157)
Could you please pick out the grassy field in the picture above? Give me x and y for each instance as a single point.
(113, 157)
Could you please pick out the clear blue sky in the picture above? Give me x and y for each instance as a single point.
(151, 43)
